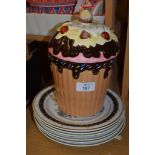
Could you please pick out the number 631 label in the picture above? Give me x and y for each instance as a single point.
(87, 86)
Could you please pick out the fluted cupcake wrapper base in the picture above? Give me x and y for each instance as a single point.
(80, 103)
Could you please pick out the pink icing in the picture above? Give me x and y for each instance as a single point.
(80, 58)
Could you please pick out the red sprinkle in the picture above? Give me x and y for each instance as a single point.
(64, 29)
(105, 35)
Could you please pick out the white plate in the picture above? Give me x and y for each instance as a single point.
(81, 137)
(83, 144)
(78, 132)
(84, 140)
(46, 109)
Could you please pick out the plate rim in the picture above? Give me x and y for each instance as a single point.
(80, 131)
(86, 145)
(77, 132)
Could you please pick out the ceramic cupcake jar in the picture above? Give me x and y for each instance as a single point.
(82, 53)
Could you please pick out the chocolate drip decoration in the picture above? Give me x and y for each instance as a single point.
(77, 68)
(110, 49)
(65, 45)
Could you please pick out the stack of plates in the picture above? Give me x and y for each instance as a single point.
(78, 131)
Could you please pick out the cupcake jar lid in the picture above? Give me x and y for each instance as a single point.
(84, 41)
